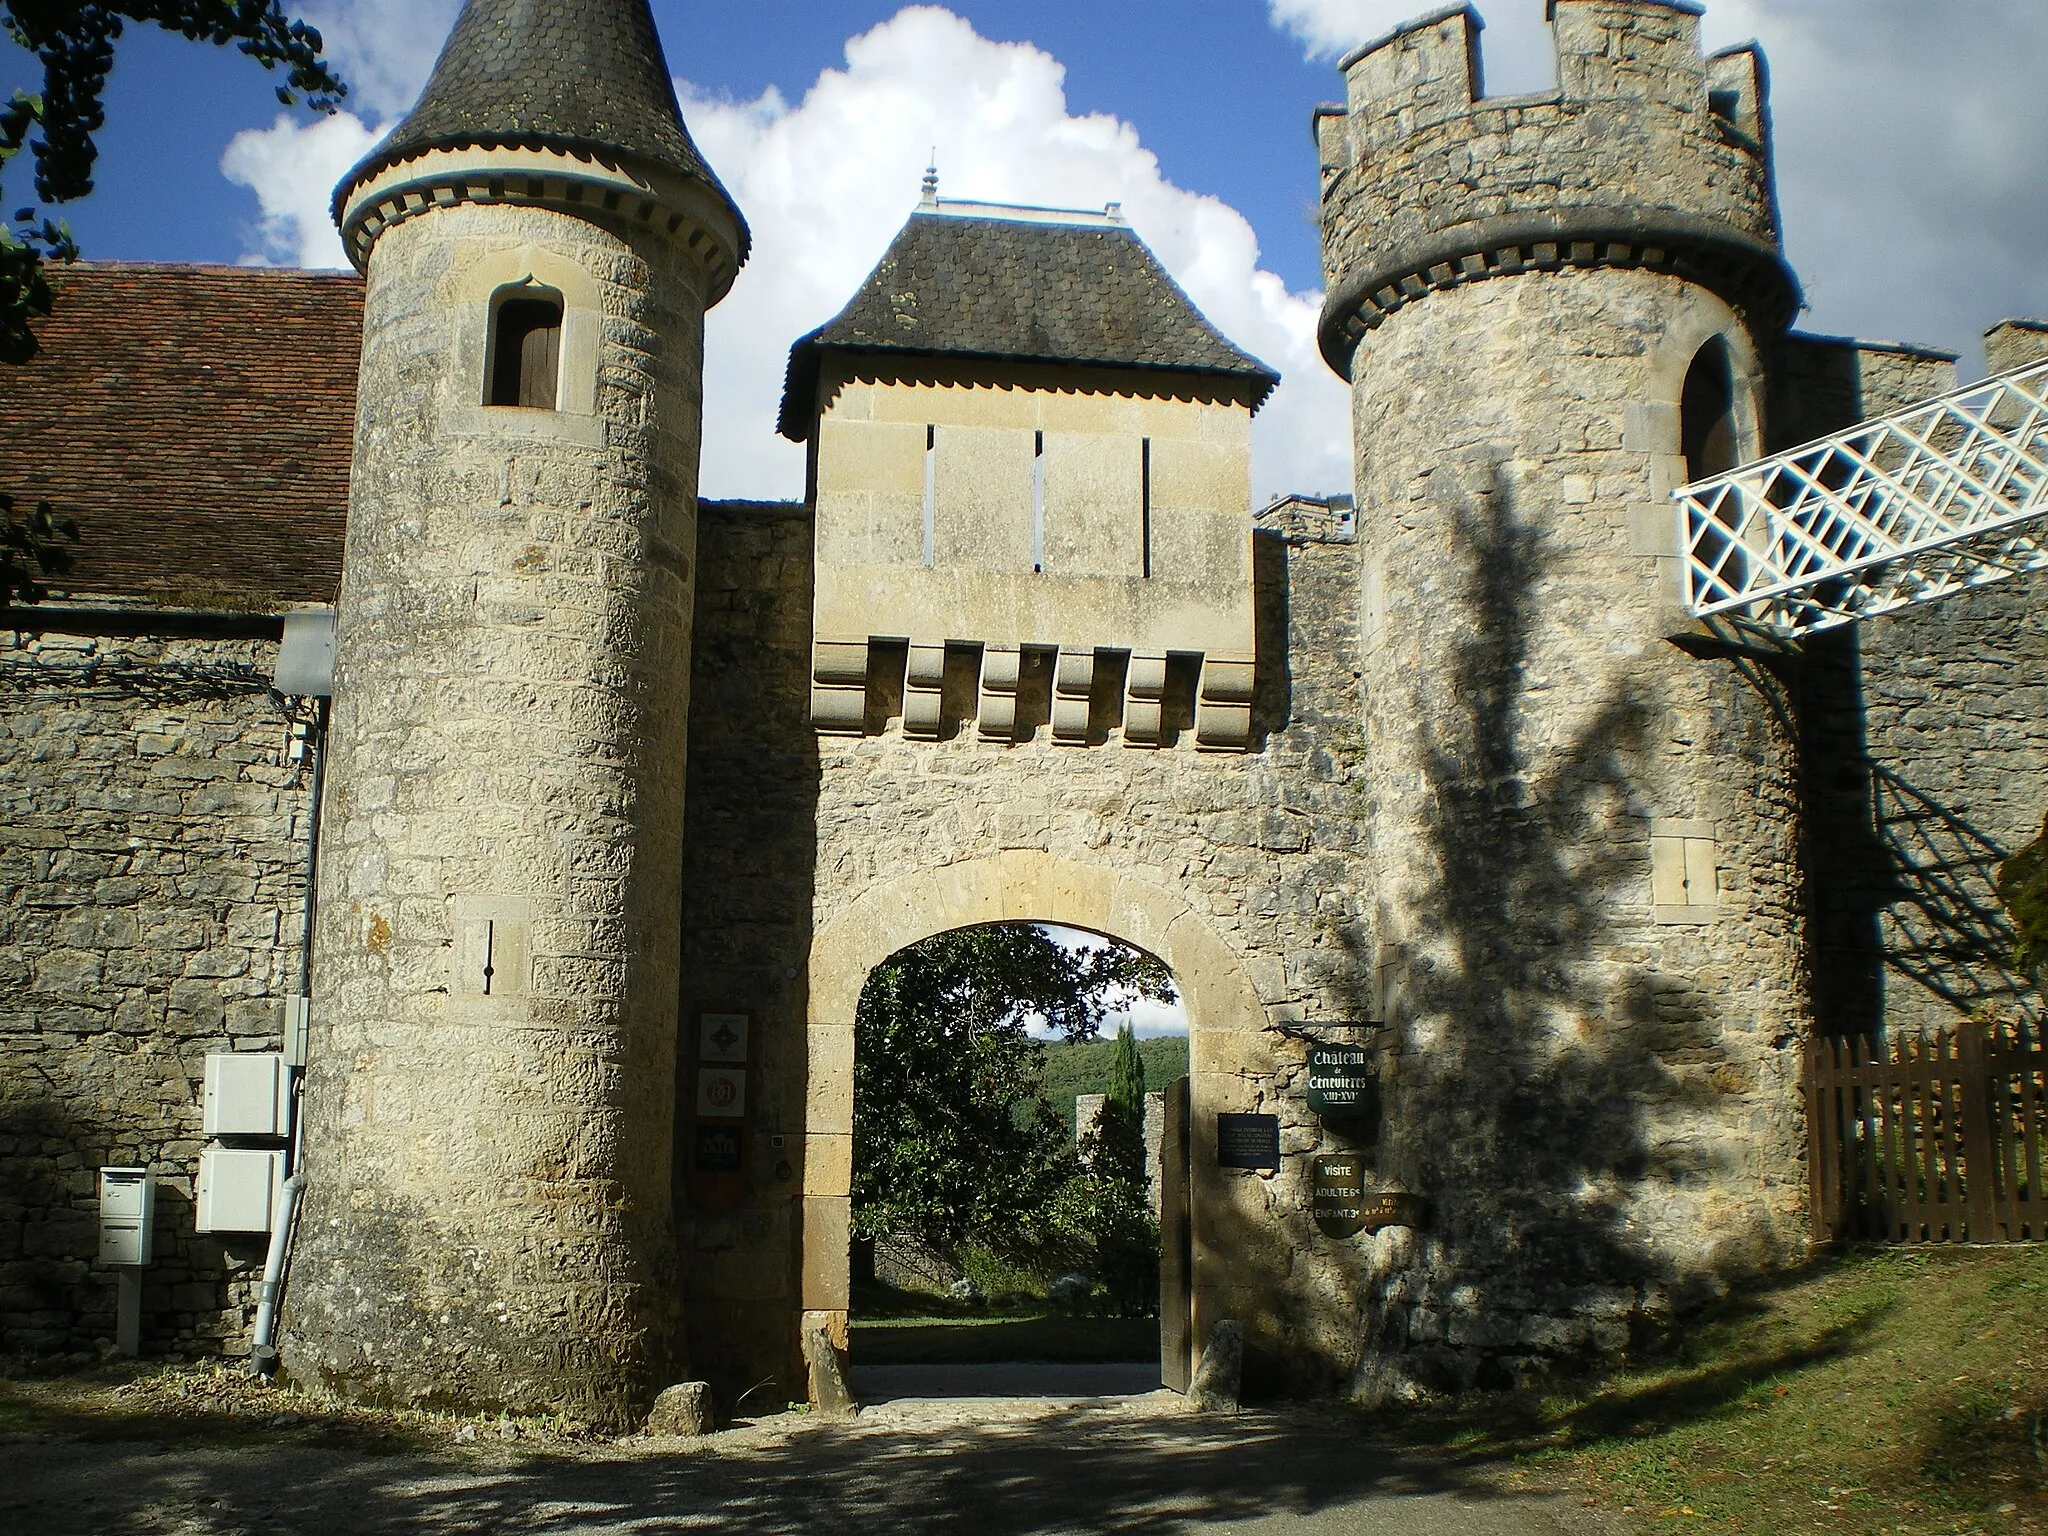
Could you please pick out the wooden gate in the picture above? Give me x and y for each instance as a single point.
(1936, 1136)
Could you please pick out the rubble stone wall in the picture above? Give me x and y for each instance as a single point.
(152, 852)
(1926, 743)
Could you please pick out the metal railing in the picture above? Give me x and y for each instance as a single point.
(1940, 497)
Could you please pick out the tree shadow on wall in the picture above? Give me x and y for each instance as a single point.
(1947, 929)
(1529, 1060)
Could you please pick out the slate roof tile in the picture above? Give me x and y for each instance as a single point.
(581, 76)
(1019, 290)
(197, 421)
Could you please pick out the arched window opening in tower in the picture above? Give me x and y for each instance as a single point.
(526, 349)
(1706, 414)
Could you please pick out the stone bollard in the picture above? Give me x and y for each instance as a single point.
(683, 1409)
(830, 1395)
(1222, 1370)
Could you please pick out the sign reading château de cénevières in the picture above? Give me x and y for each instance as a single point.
(1341, 1082)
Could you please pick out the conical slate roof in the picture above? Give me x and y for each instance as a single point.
(583, 76)
(1023, 288)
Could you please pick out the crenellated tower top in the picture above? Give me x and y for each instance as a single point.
(1646, 154)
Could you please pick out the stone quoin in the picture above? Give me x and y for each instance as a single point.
(622, 794)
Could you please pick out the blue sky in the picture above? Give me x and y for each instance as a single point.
(1216, 91)
(1912, 143)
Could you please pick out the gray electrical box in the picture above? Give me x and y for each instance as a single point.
(238, 1189)
(247, 1095)
(305, 658)
(127, 1215)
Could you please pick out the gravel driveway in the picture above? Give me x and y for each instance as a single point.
(993, 1467)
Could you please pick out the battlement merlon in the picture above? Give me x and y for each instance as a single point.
(1647, 153)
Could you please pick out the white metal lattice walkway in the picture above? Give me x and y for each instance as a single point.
(1904, 509)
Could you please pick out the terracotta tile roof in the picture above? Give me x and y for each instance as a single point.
(197, 421)
(1025, 290)
(583, 76)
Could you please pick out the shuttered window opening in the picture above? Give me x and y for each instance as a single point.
(526, 353)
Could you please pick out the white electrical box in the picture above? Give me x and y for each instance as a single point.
(298, 1019)
(238, 1189)
(127, 1215)
(247, 1095)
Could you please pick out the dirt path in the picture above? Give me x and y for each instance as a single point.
(991, 1467)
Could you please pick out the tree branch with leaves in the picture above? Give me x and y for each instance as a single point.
(73, 42)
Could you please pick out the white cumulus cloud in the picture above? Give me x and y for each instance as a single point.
(292, 167)
(1516, 38)
(1912, 143)
(826, 181)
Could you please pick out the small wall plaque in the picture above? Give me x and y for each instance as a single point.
(718, 1149)
(1337, 1195)
(1248, 1141)
(1390, 1208)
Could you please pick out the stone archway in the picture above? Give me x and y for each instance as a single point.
(1225, 1019)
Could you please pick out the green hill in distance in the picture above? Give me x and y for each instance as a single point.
(1075, 1067)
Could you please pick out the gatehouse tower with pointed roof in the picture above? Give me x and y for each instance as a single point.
(501, 864)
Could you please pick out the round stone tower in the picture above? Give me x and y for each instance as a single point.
(1553, 309)
(490, 1091)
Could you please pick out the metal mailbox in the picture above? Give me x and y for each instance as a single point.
(127, 1215)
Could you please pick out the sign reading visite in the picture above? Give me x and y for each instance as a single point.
(1342, 1208)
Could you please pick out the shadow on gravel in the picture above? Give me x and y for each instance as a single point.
(1074, 1470)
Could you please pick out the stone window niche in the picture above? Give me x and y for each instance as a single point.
(525, 362)
(1709, 434)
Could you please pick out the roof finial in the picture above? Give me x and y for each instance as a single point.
(930, 199)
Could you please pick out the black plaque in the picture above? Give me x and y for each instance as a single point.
(1337, 1195)
(1341, 1083)
(1248, 1141)
(718, 1148)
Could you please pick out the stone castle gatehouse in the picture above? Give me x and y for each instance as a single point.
(621, 794)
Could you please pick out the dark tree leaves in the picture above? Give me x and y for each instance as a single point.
(2023, 889)
(73, 42)
(31, 547)
(952, 1137)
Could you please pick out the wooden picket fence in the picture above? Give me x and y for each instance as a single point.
(1938, 1136)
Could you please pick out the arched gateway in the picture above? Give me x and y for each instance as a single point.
(1226, 1025)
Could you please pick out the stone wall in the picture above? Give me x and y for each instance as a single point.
(1925, 745)
(749, 852)
(1088, 1116)
(151, 872)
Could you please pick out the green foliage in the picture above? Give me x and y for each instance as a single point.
(1109, 1202)
(2023, 888)
(31, 547)
(952, 1135)
(1082, 1066)
(73, 41)
(1127, 1074)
